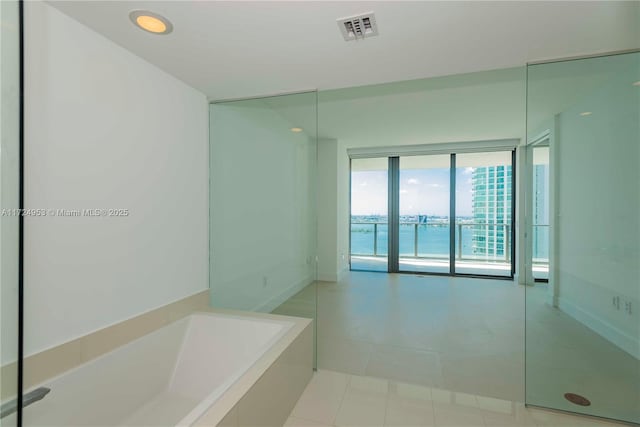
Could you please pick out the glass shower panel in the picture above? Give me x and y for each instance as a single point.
(263, 157)
(583, 327)
(9, 199)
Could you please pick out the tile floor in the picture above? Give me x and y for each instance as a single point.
(453, 333)
(563, 355)
(338, 399)
(466, 335)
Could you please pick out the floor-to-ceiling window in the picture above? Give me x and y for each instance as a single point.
(369, 214)
(448, 213)
(424, 214)
(484, 213)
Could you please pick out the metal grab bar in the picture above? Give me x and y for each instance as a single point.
(29, 398)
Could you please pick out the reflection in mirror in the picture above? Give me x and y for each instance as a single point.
(421, 326)
(9, 199)
(540, 198)
(583, 327)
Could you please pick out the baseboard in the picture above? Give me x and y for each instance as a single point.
(342, 273)
(619, 338)
(275, 301)
(332, 276)
(552, 300)
(327, 277)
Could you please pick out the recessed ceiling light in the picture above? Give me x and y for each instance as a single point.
(296, 130)
(636, 83)
(151, 22)
(586, 113)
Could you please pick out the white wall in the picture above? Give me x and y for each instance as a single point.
(107, 130)
(263, 223)
(333, 209)
(327, 210)
(598, 205)
(344, 215)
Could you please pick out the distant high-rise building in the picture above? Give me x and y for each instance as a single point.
(491, 206)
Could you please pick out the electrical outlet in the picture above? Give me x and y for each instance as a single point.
(264, 281)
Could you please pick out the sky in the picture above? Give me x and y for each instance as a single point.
(422, 192)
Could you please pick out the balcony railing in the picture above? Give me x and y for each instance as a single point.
(499, 249)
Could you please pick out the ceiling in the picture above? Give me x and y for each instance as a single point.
(487, 105)
(237, 49)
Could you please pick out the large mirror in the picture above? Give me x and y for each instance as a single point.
(583, 155)
(417, 233)
(263, 204)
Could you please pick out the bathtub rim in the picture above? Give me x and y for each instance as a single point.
(218, 409)
(214, 395)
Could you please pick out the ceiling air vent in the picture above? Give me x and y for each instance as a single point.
(358, 27)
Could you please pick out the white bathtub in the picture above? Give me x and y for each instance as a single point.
(171, 377)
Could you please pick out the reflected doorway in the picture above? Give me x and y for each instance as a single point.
(540, 204)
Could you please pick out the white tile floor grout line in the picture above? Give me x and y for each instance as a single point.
(518, 413)
(366, 364)
(344, 393)
(386, 404)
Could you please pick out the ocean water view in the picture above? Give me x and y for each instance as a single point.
(433, 236)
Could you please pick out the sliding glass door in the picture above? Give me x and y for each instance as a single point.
(369, 214)
(403, 210)
(424, 208)
(484, 205)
